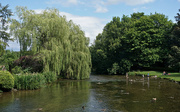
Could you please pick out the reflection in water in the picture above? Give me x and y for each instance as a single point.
(100, 93)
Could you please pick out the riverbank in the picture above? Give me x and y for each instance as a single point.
(171, 76)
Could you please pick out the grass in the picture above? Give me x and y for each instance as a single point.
(172, 76)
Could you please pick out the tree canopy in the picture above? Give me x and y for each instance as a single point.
(61, 44)
(5, 13)
(174, 56)
(131, 42)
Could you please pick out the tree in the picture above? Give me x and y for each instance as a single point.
(61, 44)
(174, 56)
(131, 42)
(8, 58)
(5, 13)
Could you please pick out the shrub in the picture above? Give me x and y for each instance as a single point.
(6, 80)
(50, 77)
(29, 63)
(16, 70)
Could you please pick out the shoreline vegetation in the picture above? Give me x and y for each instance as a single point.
(33, 81)
(172, 76)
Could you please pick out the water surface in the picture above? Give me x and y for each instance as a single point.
(98, 94)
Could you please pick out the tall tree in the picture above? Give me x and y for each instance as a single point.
(136, 41)
(61, 44)
(5, 13)
(174, 57)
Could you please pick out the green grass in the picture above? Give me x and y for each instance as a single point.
(172, 76)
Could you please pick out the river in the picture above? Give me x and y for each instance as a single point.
(97, 94)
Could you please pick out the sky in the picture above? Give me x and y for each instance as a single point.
(93, 15)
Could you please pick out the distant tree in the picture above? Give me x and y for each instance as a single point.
(175, 43)
(5, 13)
(178, 17)
(136, 41)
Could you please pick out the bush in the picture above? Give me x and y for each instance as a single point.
(16, 70)
(50, 77)
(6, 80)
(29, 64)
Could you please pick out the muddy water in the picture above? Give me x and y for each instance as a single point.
(98, 94)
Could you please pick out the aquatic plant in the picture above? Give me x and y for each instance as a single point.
(29, 81)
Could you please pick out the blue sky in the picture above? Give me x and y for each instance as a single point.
(93, 15)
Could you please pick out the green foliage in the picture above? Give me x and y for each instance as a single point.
(5, 13)
(61, 44)
(174, 56)
(114, 69)
(125, 66)
(50, 76)
(8, 58)
(29, 81)
(6, 80)
(16, 70)
(132, 42)
(29, 63)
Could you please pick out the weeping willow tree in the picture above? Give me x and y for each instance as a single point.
(61, 44)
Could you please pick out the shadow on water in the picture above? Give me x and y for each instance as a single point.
(98, 94)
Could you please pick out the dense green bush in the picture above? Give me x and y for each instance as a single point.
(29, 81)
(16, 70)
(50, 76)
(6, 80)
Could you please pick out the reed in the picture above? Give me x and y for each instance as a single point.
(29, 81)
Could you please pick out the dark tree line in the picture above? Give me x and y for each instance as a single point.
(136, 42)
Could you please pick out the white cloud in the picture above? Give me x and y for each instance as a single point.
(99, 5)
(101, 9)
(129, 2)
(179, 0)
(139, 9)
(145, 8)
(135, 10)
(64, 2)
(90, 25)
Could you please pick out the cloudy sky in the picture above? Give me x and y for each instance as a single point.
(93, 15)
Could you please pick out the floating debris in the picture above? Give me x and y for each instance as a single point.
(99, 83)
(40, 109)
(135, 101)
(171, 97)
(100, 101)
(153, 99)
(103, 110)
